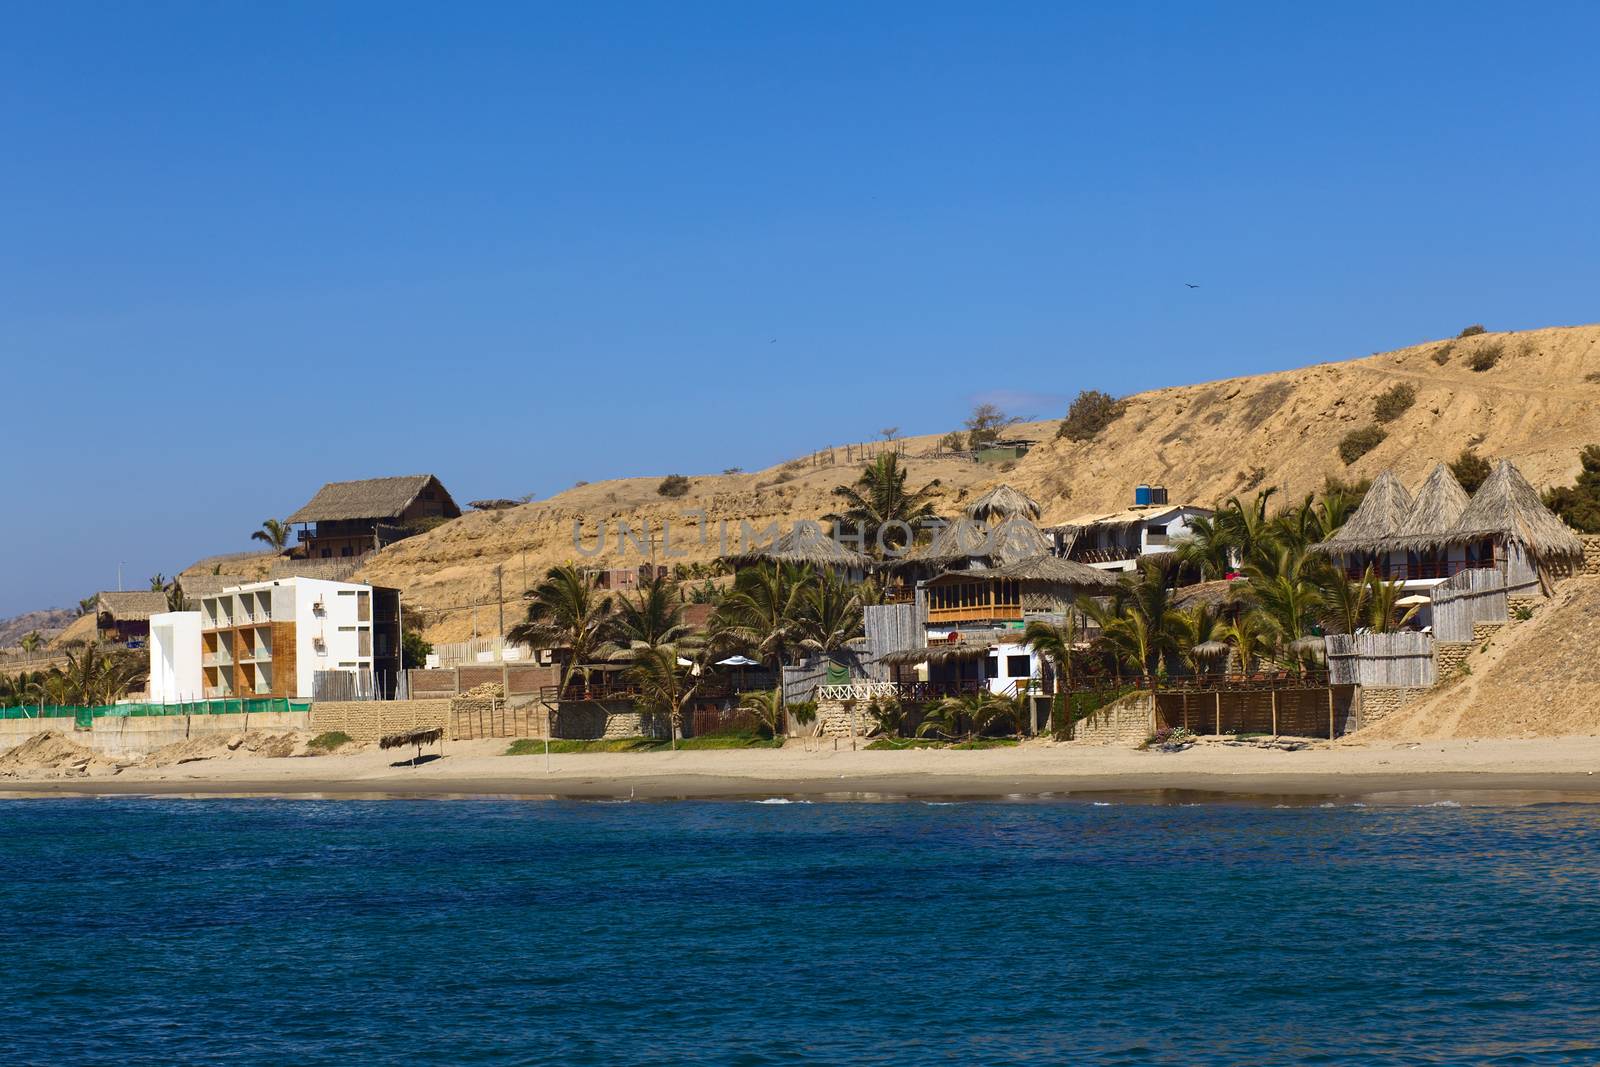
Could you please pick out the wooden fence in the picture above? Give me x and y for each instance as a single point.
(359, 685)
(474, 719)
(1472, 596)
(1402, 659)
(890, 627)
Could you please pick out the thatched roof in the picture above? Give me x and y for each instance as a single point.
(1004, 502)
(1215, 595)
(1048, 569)
(972, 646)
(198, 585)
(1438, 505)
(964, 539)
(1506, 506)
(136, 606)
(411, 737)
(372, 498)
(1377, 521)
(805, 544)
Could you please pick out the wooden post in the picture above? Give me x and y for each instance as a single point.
(1219, 713)
(1274, 712)
(1330, 712)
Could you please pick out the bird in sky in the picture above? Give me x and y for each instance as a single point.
(1191, 285)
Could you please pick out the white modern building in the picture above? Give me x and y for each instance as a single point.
(272, 638)
(1115, 542)
(175, 675)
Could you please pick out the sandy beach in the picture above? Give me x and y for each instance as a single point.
(1531, 769)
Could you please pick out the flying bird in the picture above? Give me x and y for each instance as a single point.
(1191, 285)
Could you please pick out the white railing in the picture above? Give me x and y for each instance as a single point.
(858, 691)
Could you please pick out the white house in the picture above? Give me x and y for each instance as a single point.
(1115, 542)
(175, 674)
(272, 638)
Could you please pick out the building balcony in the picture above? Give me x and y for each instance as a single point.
(998, 613)
(1424, 571)
(216, 659)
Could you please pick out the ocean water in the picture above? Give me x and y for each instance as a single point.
(530, 932)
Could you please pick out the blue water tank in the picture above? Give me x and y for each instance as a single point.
(1141, 496)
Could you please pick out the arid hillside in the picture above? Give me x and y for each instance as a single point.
(1538, 678)
(1536, 404)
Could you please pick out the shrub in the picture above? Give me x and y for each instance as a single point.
(1522, 613)
(1593, 377)
(1394, 402)
(1091, 412)
(327, 742)
(781, 477)
(1470, 469)
(1358, 443)
(673, 485)
(1578, 505)
(1008, 466)
(734, 470)
(1472, 331)
(414, 650)
(1486, 356)
(1441, 355)
(954, 441)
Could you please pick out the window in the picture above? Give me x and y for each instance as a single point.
(345, 551)
(994, 666)
(1018, 666)
(327, 553)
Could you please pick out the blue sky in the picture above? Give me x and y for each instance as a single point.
(245, 249)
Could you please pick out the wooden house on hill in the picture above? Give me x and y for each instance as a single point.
(123, 618)
(353, 518)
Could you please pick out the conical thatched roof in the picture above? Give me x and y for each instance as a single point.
(806, 544)
(1015, 540)
(963, 539)
(1506, 506)
(1377, 521)
(1439, 503)
(1004, 502)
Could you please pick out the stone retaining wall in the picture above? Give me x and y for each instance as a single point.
(838, 718)
(1378, 703)
(613, 720)
(1448, 658)
(138, 735)
(1123, 722)
(369, 720)
(1591, 554)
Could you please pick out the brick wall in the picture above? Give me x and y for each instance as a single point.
(1378, 703)
(368, 720)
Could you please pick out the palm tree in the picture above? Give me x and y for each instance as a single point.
(1207, 548)
(880, 506)
(1142, 626)
(176, 601)
(1344, 602)
(1245, 526)
(158, 582)
(1199, 625)
(567, 611)
(32, 641)
(275, 533)
(767, 706)
(664, 685)
(764, 611)
(654, 617)
(92, 678)
(969, 714)
(830, 614)
(1383, 614)
(1056, 643)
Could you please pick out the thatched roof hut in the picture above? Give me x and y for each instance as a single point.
(1216, 595)
(805, 545)
(375, 498)
(1377, 521)
(133, 606)
(1004, 502)
(1438, 505)
(1507, 508)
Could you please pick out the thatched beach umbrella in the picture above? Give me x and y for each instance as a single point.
(412, 737)
(1311, 649)
(1211, 650)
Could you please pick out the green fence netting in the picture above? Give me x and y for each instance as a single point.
(85, 716)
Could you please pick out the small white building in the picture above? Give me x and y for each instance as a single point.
(175, 675)
(271, 638)
(1117, 541)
